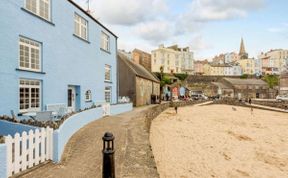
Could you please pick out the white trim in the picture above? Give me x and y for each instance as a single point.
(28, 44)
(80, 23)
(105, 41)
(38, 13)
(30, 86)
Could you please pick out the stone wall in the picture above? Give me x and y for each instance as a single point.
(275, 104)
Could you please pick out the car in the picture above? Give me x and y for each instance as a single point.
(199, 97)
(282, 98)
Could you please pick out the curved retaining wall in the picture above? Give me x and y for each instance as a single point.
(74, 123)
(3, 161)
(10, 128)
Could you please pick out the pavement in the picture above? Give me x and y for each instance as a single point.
(267, 107)
(82, 156)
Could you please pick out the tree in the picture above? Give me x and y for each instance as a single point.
(272, 80)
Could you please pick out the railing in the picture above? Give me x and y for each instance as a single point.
(28, 150)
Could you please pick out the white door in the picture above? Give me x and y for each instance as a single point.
(71, 99)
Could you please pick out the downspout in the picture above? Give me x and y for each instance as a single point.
(117, 72)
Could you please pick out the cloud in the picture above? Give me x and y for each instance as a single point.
(211, 10)
(282, 28)
(127, 12)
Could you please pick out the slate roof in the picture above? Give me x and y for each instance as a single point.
(137, 68)
(234, 81)
(221, 85)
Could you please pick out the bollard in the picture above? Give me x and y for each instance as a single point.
(108, 170)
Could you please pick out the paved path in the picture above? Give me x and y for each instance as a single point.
(267, 107)
(83, 157)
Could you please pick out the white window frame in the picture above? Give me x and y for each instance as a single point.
(38, 9)
(108, 89)
(31, 44)
(88, 96)
(30, 86)
(108, 70)
(105, 41)
(80, 24)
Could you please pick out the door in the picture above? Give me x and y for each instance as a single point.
(71, 99)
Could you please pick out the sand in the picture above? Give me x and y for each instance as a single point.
(219, 141)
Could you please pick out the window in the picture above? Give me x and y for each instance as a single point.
(88, 96)
(105, 41)
(29, 57)
(107, 73)
(39, 7)
(108, 94)
(81, 27)
(29, 91)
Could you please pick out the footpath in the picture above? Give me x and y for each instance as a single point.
(83, 153)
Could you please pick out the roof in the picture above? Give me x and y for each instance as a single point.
(220, 65)
(137, 69)
(234, 81)
(221, 85)
(89, 15)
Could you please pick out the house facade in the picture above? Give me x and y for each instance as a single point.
(136, 82)
(48, 57)
(173, 60)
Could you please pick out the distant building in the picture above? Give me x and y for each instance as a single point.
(173, 59)
(125, 53)
(232, 69)
(283, 83)
(248, 66)
(136, 82)
(199, 67)
(244, 88)
(142, 58)
(242, 51)
(231, 57)
(274, 61)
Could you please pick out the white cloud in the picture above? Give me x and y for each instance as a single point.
(127, 12)
(209, 10)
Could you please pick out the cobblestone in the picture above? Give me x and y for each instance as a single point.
(83, 157)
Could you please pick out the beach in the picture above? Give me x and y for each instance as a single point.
(220, 141)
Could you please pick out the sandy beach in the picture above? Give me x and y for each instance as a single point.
(220, 141)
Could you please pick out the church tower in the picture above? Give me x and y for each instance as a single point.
(242, 52)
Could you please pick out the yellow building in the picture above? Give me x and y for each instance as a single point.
(173, 60)
(247, 65)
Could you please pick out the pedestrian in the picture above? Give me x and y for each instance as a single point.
(250, 101)
(176, 108)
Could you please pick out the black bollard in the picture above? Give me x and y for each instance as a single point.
(108, 170)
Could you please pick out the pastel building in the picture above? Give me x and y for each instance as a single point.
(53, 51)
(173, 60)
(274, 61)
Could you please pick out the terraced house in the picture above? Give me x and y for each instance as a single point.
(54, 52)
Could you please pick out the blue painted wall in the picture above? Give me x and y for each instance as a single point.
(3, 161)
(10, 128)
(121, 108)
(66, 60)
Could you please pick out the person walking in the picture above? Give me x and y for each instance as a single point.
(250, 101)
(176, 108)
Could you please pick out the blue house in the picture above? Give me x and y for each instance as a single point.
(54, 52)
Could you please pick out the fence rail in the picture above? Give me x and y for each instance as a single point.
(27, 150)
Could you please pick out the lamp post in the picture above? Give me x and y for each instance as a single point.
(161, 78)
(108, 170)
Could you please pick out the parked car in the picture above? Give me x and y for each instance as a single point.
(199, 97)
(282, 98)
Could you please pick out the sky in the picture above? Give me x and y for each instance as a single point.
(208, 27)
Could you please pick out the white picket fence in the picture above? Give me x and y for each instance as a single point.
(28, 150)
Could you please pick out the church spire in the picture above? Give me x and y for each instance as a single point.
(242, 52)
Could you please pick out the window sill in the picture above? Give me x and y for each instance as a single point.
(25, 70)
(107, 81)
(104, 50)
(81, 38)
(39, 17)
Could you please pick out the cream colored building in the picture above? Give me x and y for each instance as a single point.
(173, 60)
(247, 65)
(274, 61)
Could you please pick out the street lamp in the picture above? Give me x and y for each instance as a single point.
(161, 78)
